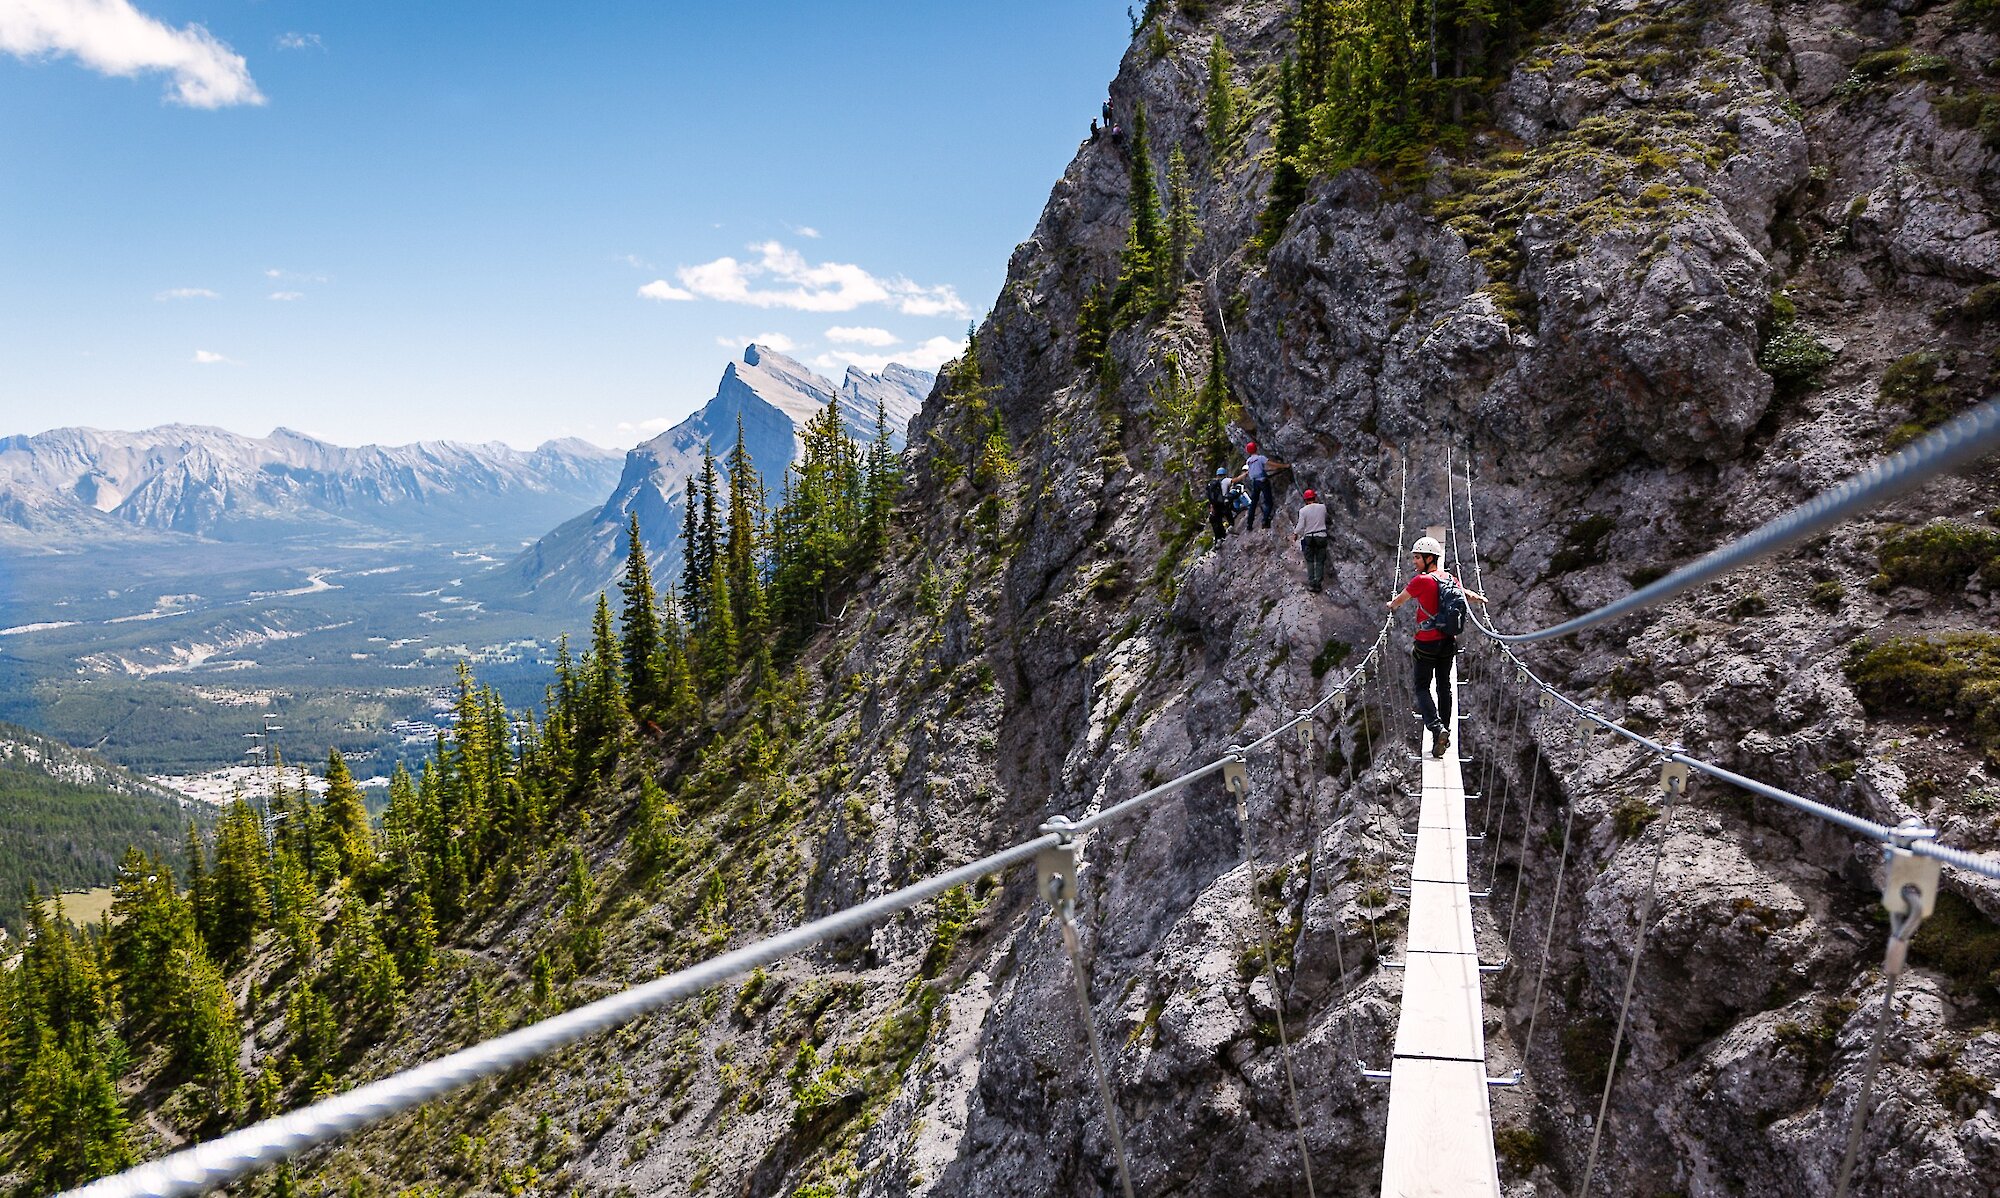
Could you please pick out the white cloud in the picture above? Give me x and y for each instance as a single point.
(183, 292)
(928, 355)
(299, 41)
(206, 357)
(632, 260)
(806, 287)
(806, 231)
(660, 289)
(862, 336)
(113, 38)
(287, 296)
(777, 341)
(914, 300)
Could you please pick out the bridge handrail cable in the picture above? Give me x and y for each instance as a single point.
(203, 1167)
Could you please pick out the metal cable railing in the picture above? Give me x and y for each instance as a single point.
(1970, 436)
(203, 1167)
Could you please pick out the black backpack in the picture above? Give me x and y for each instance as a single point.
(1450, 615)
(1216, 494)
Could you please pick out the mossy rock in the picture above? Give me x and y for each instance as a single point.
(1953, 678)
(1940, 557)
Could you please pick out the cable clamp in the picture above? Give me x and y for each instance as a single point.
(1056, 865)
(1306, 728)
(1585, 725)
(1236, 777)
(1673, 779)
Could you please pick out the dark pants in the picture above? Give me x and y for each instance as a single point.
(1260, 492)
(1221, 518)
(1313, 545)
(1433, 661)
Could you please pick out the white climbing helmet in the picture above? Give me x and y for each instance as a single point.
(1428, 545)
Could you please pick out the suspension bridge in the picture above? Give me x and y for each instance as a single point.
(1439, 1137)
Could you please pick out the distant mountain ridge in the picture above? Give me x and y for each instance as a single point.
(210, 482)
(773, 395)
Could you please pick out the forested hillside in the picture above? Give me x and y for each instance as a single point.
(66, 817)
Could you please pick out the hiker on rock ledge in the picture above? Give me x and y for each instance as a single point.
(1257, 468)
(1309, 526)
(1440, 618)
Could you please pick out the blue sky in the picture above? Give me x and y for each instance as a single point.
(385, 221)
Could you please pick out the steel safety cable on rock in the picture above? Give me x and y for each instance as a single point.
(1923, 846)
(1672, 784)
(1548, 938)
(1527, 827)
(1239, 785)
(203, 1167)
(1957, 443)
(1902, 929)
(1492, 833)
(1060, 896)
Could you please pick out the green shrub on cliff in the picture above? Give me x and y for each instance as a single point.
(1954, 678)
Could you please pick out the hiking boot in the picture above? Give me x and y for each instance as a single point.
(1440, 740)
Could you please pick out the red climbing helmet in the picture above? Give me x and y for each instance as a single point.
(1250, 448)
(1311, 494)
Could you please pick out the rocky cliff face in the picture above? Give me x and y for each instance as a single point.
(1704, 260)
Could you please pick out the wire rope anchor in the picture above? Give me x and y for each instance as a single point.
(1909, 893)
(1056, 868)
(1306, 728)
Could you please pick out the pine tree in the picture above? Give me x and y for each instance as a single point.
(1219, 107)
(745, 537)
(719, 643)
(601, 727)
(882, 480)
(694, 569)
(642, 626)
(652, 829)
(73, 1128)
(579, 893)
(346, 816)
(708, 536)
(148, 917)
(197, 878)
(294, 906)
(202, 1026)
(1288, 181)
(1142, 266)
(239, 885)
(1183, 223)
(362, 965)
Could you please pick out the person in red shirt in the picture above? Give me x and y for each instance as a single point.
(1433, 650)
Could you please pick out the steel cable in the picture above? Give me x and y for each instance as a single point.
(1631, 978)
(1956, 444)
(1065, 907)
(1240, 786)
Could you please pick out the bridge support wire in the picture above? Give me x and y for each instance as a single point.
(1548, 941)
(1527, 827)
(1910, 894)
(1236, 775)
(1673, 779)
(1056, 869)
